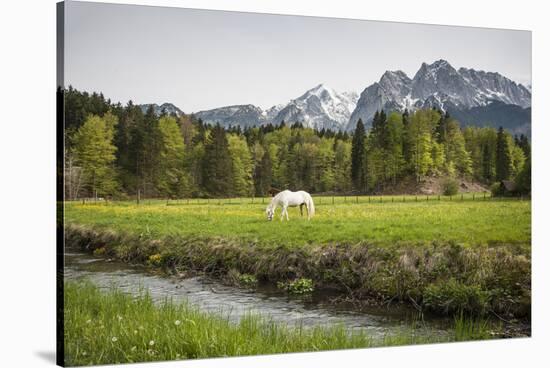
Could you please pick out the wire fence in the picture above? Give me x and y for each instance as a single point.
(319, 199)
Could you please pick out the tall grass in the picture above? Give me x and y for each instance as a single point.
(113, 327)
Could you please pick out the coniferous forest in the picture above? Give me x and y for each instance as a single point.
(115, 151)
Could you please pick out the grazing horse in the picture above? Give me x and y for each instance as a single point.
(286, 199)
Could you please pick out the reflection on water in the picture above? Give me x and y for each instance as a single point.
(211, 296)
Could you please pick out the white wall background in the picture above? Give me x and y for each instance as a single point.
(27, 181)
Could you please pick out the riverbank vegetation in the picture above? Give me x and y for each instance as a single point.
(113, 327)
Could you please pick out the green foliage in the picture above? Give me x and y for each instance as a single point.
(523, 179)
(242, 166)
(299, 286)
(453, 297)
(496, 189)
(504, 163)
(114, 327)
(172, 180)
(154, 259)
(161, 156)
(217, 165)
(358, 158)
(95, 154)
(248, 280)
(450, 187)
(467, 329)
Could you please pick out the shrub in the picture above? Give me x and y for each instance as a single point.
(99, 251)
(450, 187)
(155, 259)
(248, 280)
(496, 190)
(455, 297)
(298, 287)
(236, 278)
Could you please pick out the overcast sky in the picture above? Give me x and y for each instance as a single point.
(201, 59)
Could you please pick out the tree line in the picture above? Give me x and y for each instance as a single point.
(113, 150)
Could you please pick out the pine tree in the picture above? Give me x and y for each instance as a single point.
(263, 175)
(358, 154)
(241, 164)
(503, 156)
(487, 163)
(217, 165)
(172, 179)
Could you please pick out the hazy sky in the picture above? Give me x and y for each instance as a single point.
(201, 59)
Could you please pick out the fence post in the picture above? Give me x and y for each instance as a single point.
(438, 197)
(356, 199)
(138, 195)
(462, 197)
(427, 199)
(332, 199)
(416, 198)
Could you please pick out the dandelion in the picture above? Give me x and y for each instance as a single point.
(177, 322)
(114, 339)
(134, 348)
(119, 318)
(152, 342)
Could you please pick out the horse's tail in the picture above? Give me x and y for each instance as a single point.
(310, 206)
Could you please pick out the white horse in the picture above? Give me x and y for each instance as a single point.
(286, 199)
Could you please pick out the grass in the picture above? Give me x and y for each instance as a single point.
(113, 327)
(447, 256)
(380, 221)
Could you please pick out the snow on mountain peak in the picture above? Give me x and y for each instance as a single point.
(438, 84)
(320, 107)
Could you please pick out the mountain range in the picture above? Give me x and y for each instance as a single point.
(473, 97)
(158, 109)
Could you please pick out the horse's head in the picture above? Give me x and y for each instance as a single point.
(269, 212)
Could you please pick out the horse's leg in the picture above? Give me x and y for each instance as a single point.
(302, 209)
(286, 212)
(283, 209)
(308, 215)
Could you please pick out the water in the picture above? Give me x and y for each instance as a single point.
(234, 303)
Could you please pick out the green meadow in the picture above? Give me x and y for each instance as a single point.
(375, 220)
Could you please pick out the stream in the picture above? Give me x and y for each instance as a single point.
(213, 297)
